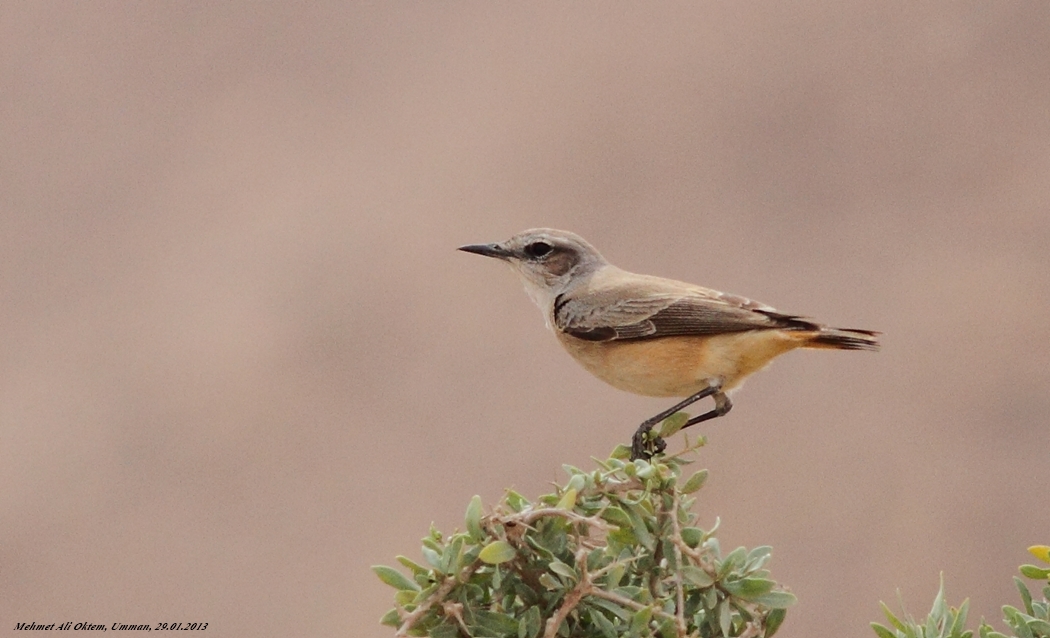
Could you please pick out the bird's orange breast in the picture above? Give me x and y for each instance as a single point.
(682, 365)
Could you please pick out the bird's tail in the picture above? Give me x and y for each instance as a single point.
(844, 339)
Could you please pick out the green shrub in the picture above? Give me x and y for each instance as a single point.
(614, 552)
(950, 622)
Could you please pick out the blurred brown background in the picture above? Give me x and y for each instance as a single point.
(241, 361)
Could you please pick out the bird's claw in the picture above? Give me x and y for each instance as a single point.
(645, 444)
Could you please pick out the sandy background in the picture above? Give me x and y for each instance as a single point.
(241, 361)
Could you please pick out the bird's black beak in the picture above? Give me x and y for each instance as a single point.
(489, 250)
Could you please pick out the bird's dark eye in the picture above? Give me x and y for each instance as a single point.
(538, 249)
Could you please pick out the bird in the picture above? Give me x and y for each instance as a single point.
(652, 336)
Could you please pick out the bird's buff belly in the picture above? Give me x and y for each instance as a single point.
(679, 366)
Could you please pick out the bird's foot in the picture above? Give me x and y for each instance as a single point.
(645, 443)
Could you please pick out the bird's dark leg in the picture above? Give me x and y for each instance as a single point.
(722, 406)
(644, 448)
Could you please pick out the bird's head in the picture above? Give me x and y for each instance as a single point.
(549, 261)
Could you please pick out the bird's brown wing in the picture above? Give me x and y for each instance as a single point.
(609, 317)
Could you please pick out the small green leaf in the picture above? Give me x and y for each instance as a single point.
(711, 598)
(696, 576)
(665, 627)
(414, 566)
(516, 501)
(1026, 596)
(749, 588)
(1031, 571)
(495, 622)
(562, 569)
(446, 630)
(621, 537)
(568, 500)
(725, 617)
(758, 557)
(473, 518)
(737, 556)
(621, 452)
(776, 599)
(670, 556)
(712, 545)
(896, 622)
(529, 625)
(988, 632)
(692, 536)
(672, 424)
(597, 559)
(959, 624)
(616, 516)
(614, 576)
(497, 552)
(471, 554)
(774, 619)
(1011, 614)
(637, 516)
(577, 482)
(391, 618)
(432, 557)
(550, 582)
(616, 610)
(932, 622)
(882, 632)
(604, 624)
(433, 543)
(424, 593)
(394, 578)
(731, 562)
(644, 469)
(695, 482)
(451, 557)
(640, 621)
(635, 593)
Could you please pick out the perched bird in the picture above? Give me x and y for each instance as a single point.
(653, 336)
